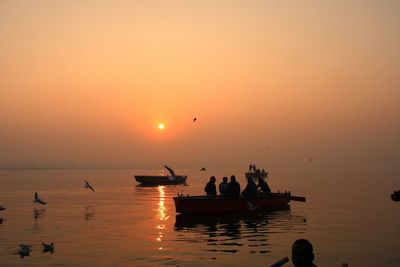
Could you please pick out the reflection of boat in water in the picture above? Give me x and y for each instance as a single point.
(186, 220)
(161, 179)
(218, 204)
(234, 232)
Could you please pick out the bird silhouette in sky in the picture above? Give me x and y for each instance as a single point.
(48, 247)
(88, 186)
(194, 119)
(38, 200)
(203, 169)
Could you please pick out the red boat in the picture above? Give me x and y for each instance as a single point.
(211, 204)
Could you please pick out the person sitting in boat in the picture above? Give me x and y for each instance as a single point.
(223, 186)
(233, 188)
(262, 186)
(251, 188)
(302, 253)
(210, 188)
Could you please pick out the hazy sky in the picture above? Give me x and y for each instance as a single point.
(90, 80)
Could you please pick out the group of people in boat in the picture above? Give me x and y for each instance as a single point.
(232, 188)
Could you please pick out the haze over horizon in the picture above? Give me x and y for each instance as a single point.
(271, 83)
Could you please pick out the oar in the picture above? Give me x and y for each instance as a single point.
(297, 198)
(280, 262)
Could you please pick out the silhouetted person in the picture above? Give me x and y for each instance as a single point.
(302, 253)
(233, 189)
(263, 186)
(250, 189)
(210, 188)
(223, 186)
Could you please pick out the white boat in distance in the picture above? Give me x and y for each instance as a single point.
(161, 179)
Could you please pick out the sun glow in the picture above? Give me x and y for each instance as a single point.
(161, 126)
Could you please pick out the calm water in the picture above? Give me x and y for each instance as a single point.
(123, 224)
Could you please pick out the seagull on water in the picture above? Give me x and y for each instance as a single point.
(194, 119)
(88, 186)
(38, 200)
(48, 247)
(24, 250)
(2, 208)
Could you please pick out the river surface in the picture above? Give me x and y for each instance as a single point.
(123, 224)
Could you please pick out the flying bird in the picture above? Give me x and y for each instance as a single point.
(173, 176)
(203, 169)
(38, 200)
(2, 208)
(88, 186)
(194, 119)
(48, 247)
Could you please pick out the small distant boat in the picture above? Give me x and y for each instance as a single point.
(396, 196)
(218, 204)
(162, 179)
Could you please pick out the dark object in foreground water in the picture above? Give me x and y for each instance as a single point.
(218, 204)
(280, 262)
(2, 208)
(1, 220)
(396, 196)
(302, 253)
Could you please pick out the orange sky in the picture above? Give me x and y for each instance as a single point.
(90, 80)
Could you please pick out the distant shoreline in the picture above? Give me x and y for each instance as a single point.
(67, 168)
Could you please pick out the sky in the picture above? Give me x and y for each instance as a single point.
(272, 82)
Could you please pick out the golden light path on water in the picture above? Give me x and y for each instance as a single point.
(161, 215)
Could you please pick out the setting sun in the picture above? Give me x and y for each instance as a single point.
(161, 126)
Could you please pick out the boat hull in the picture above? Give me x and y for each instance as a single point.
(205, 204)
(160, 179)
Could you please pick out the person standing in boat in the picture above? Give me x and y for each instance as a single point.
(223, 186)
(210, 188)
(263, 186)
(251, 188)
(233, 188)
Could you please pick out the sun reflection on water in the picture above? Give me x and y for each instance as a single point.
(161, 215)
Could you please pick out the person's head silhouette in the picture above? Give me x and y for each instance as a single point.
(302, 253)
